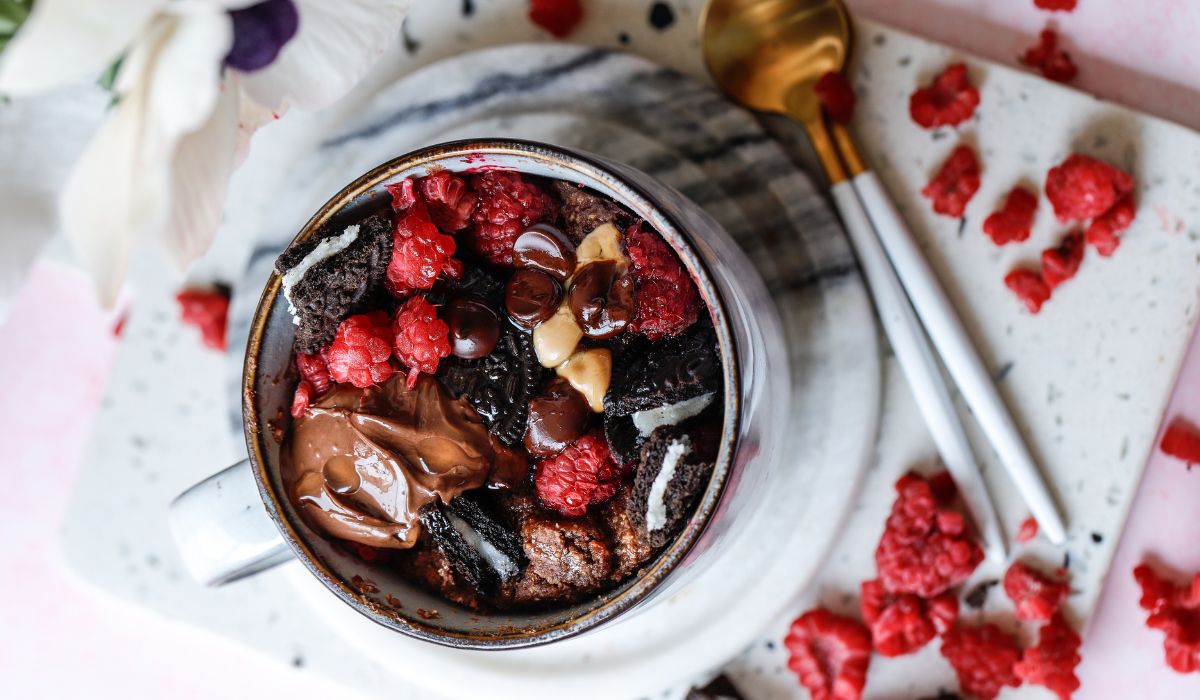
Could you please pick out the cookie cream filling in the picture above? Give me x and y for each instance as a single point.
(656, 502)
(671, 414)
(507, 568)
(327, 248)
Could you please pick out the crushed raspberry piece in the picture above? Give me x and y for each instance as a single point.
(1082, 187)
(559, 17)
(903, 623)
(1174, 611)
(420, 338)
(1051, 664)
(1029, 287)
(508, 204)
(666, 302)
(582, 474)
(830, 654)
(361, 351)
(1035, 596)
(1060, 263)
(1103, 232)
(955, 183)
(914, 554)
(1157, 592)
(1055, 5)
(1014, 222)
(207, 310)
(419, 251)
(1049, 60)
(1181, 441)
(449, 201)
(950, 100)
(983, 659)
(303, 397)
(837, 95)
(1027, 531)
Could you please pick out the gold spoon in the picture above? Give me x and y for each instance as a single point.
(768, 55)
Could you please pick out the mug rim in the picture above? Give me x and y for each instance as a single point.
(651, 576)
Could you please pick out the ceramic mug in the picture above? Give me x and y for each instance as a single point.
(240, 521)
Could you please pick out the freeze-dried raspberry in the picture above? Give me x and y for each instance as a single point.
(955, 183)
(830, 654)
(361, 351)
(1082, 187)
(449, 201)
(420, 253)
(1049, 60)
(1103, 232)
(902, 623)
(207, 310)
(420, 338)
(951, 99)
(508, 204)
(559, 17)
(303, 397)
(1013, 223)
(666, 302)
(1060, 263)
(915, 555)
(1035, 596)
(1174, 611)
(1027, 531)
(1029, 287)
(1055, 5)
(1051, 664)
(582, 474)
(837, 95)
(983, 659)
(1181, 441)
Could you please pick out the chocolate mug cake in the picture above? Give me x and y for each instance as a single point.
(509, 389)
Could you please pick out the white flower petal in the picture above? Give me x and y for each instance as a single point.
(66, 41)
(337, 43)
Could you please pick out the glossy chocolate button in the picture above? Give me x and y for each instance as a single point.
(601, 299)
(556, 418)
(474, 328)
(531, 297)
(543, 247)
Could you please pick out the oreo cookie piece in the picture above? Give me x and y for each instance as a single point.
(672, 469)
(482, 552)
(500, 385)
(333, 275)
(476, 280)
(583, 211)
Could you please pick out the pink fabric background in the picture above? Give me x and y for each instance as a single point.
(58, 640)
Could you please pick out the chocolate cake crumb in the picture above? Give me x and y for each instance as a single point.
(583, 211)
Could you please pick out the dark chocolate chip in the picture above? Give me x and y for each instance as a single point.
(661, 16)
(544, 247)
(556, 418)
(601, 298)
(531, 297)
(474, 328)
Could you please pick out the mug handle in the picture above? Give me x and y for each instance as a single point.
(222, 530)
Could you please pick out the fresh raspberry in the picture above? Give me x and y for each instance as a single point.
(419, 251)
(1181, 441)
(837, 95)
(915, 555)
(404, 194)
(1083, 188)
(314, 369)
(1029, 288)
(559, 17)
(1103, 232)
(903, 623)
(949, 101)
(1060, 263)
(420, 338)
(207, 310)
(508, 204)
(943, 487)
(1157, 592)
(1013, 223)
(449, 201)
(1055, 5)
(983, 659)
(955, 183)
(1174, 611)
(361, 350)
(666, 301)
(1049, 60)
(830, 654)
(582, 474)
(303, 397)
(1035, 596)
(1027, 531)
(1051, 664)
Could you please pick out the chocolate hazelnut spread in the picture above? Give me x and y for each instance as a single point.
(361, 463)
